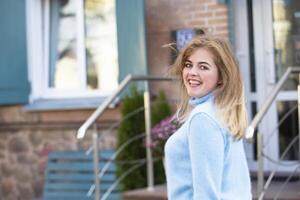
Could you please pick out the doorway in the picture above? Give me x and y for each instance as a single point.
(267, 43)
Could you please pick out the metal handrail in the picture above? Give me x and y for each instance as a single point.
(124, 175)
(268, 182)
(261, 113)
(256, 120)
(100, 110)
(115, 125)
(286, 181)
(280, 122)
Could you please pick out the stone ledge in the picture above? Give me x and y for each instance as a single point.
(159, 193)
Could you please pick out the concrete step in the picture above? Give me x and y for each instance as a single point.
(159, 193)
(290, 192)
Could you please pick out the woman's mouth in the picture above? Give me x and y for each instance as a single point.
(194, 82)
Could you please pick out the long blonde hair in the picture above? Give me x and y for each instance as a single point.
(229, 95)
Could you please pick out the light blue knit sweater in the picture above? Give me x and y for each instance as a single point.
(203, 161)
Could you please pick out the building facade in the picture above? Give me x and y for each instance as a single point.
(60, 59)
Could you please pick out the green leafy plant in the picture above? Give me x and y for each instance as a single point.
(133, 126)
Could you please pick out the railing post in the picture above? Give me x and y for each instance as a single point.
(260, 166)
(150, 176)
(96, 163)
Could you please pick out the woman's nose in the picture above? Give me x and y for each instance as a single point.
(193, 71)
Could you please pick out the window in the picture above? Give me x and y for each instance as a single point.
(73, 48)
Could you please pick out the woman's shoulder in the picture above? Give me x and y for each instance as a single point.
(206, 108)
(207, 114)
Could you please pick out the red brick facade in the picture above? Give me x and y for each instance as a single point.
(165, 16)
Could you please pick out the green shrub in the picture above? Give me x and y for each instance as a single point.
(133, 126)
(160, 110)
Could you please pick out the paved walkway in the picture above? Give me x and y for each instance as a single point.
(290, 192)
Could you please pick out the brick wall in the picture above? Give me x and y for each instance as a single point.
(164, 16)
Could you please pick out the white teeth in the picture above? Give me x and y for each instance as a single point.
(194, 82)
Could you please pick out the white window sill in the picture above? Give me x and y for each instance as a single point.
(64, 104)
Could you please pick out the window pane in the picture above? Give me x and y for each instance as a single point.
(63, 73)
(101, 44)
(286, 27)
(288, 129)
(251, 47)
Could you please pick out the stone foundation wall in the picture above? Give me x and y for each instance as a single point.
(26, 140)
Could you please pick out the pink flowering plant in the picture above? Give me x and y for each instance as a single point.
(161, 132)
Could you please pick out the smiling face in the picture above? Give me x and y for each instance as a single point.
(200, 74)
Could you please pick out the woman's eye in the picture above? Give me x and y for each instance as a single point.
(203, 67)
(187, 65)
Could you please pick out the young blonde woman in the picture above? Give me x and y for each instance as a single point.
(205, 158)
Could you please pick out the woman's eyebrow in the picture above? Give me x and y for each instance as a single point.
(198, 63)
(203, 62)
